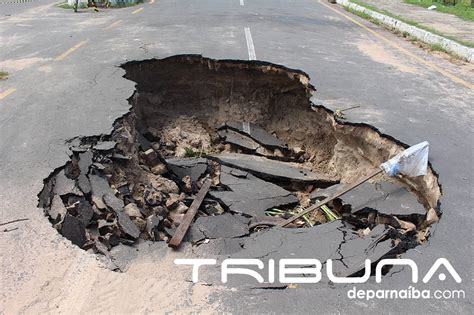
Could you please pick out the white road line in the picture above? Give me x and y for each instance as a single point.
(250, 47)
(241, 2)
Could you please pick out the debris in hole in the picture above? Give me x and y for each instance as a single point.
(85, 161)
(272, 170)
(192, 167)
(65, 186)
(105, 146)
(193, 209)
(58, 211)
(250, 195)
(238, 139)
(256, 133)
(127, 226)
(137, 183)
(412, 162)
(385, 197)
(151, 158)
(73, 229)
(99, 187)
(184, 136)
(259, 142)
(84, 184)
(132, 211)
(152, 224)
(81, 209)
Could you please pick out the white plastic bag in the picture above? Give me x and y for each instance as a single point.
(411, 162)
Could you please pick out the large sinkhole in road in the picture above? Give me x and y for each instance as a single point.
(251, 128)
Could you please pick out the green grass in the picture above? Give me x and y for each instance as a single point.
(437, 47)
(331, 216)
(189, 152)
(3, 75)
(432, 47)
(370, 7)
(363, 15)
(405, 20)
(274, 212)
(462, 9)
(328, 213)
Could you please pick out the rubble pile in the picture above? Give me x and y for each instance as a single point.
(118, 189)
(250, 130)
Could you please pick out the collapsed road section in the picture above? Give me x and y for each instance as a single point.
(249, 128)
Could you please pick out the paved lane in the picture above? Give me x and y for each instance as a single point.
(13, 7)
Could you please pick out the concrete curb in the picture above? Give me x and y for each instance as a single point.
(420, 34)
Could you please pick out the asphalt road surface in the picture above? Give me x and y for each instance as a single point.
(65, 82)
(13, 7)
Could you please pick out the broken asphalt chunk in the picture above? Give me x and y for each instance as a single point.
(218, 226)
(100, 187)
(78, 149)
(82, 210)
(85, 161)
(58, 211)
(271, 169)
(385, 197)
(145, 144)
(105, 146)
(249, 194)
(84, 184)
(127, 226)
(192, 167)
(64, 185)
(233, 137)
(256, 133)
(113, 202)
(73, 229)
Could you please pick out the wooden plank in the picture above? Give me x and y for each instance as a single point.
(190, 214)
(330, 198)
